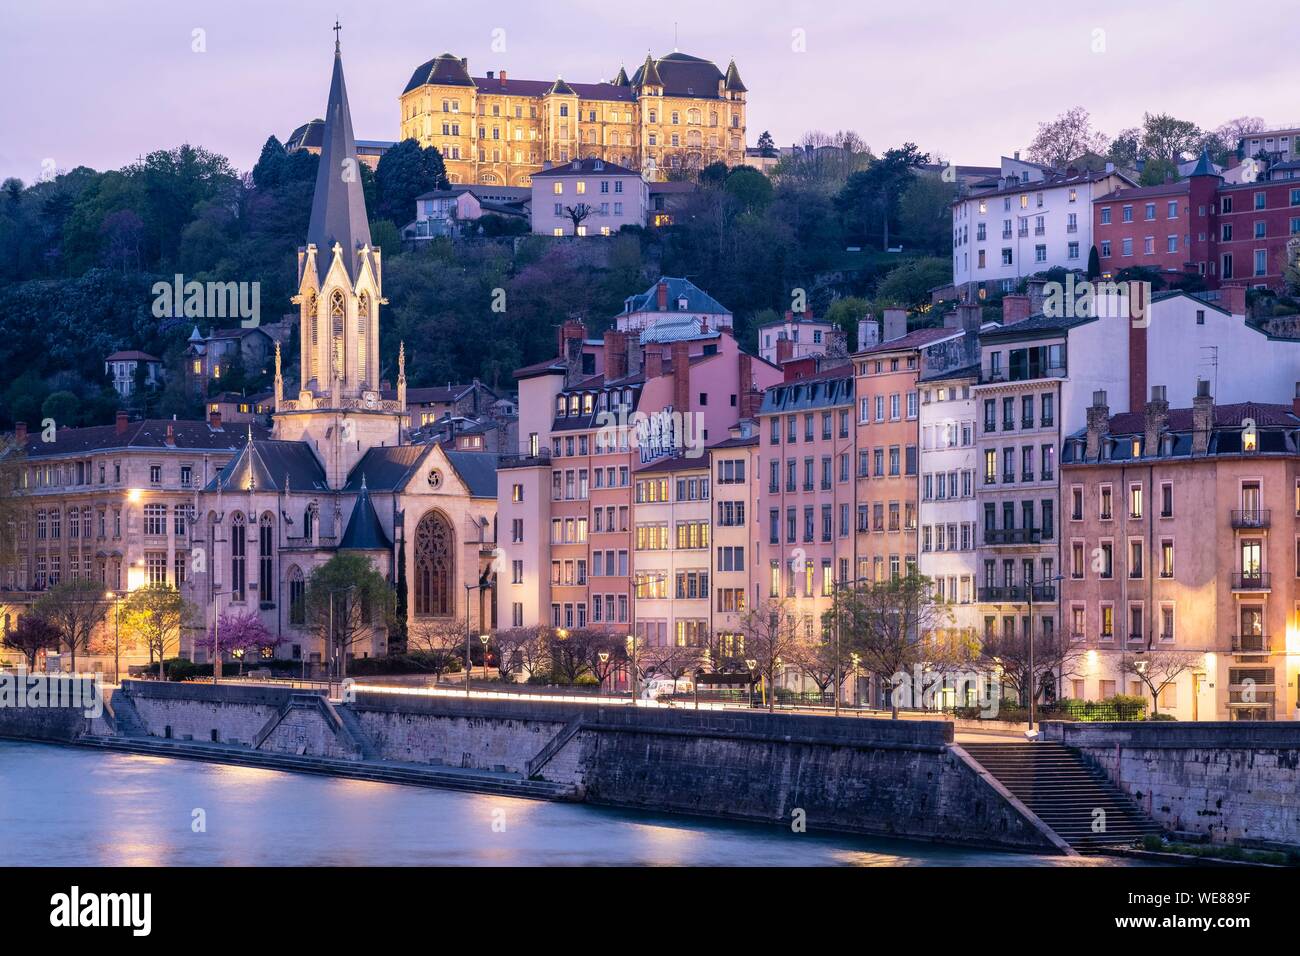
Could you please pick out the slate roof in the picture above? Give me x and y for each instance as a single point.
(825, 390)
(478, 469)
(912, 340)
(675, 463)
(697, 300)
(737, 442)
(272, 465)
(444, 70)
(151, 433)
(364, 532)
(448, 70)
(681, 74)
(386, 468)
(1279, 432)
(586, 166)
(132, 355)
(307, 135)
(949, 374)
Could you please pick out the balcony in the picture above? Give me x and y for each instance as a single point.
(1252, 581)
(1250, 643)
(1250, 519)
(998, 537)
(1017, 594)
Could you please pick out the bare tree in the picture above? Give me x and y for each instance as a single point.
(672, 660)
(815, 658)
(442, 639)
(578, 213)
(1158, 667)
(889, 625)
(32, 635)
(1055, 655)
(771, 635)
(569, 654)
(522, 650)
(1066, 138)
(76, 608)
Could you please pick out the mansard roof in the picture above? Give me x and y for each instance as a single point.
(150, 433)
(681, 74)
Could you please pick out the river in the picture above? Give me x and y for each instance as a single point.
(64, 806)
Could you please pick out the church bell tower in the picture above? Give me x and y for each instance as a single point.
(339, 409)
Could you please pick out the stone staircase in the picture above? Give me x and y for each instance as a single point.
(125, 719)
(351, 725)
(1058, 785)
(449, 778)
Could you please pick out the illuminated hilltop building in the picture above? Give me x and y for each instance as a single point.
(672, 117)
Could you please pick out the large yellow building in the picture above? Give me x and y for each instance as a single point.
(673, 117)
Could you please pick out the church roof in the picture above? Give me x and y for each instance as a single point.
(478, 469)
(733, 79)
(364, 532)
(386, 468)
(272, 465)
(338, 208)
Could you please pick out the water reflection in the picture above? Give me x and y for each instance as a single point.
(62, 806)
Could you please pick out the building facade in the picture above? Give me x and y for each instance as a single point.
(587, 197)
(673, 116)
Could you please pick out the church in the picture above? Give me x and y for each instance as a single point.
(338, 473)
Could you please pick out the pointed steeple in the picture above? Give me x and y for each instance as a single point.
(733, 83)
(621, 79)
(560, 88)
(365, 532)
(1204, 166)
(338, 208)
(648, 75)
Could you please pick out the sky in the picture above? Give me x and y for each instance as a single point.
(101, 82)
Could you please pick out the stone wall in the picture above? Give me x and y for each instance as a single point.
(194, 711)
(1228, 781)
(41, 722)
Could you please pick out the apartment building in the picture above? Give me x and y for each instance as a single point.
(736, 527)
(796, 336)
(887, 441)
(676, 301)
(1003, 235)
(807, 494)
(1182, 532)
(671, 520)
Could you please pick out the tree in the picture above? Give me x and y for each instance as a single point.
(442, 639)
(403, 173)
(578, 213)
(815, 658)
(1066, 138)
(31, 635)
(522, 650)
(239, 633)
(889, 624)
(1159, 667)
(1094, 263)
(75, 608)
(872, 195)
(1055, 654)
(771, 634)
(673, 661)
(925, 216)
(604, 652)
(13, 461)
(1157, 172)
(1125, 148)
(766, 145)
(570, 651)
(1165, 137)
(1230, 134)
(909, 284)
(154, 615)
(749, 189)
(347, 602)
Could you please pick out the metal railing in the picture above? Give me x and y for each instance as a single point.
(1011, 536)
(1252, 581)
(1250, 643)
(1017, 594)
(1252, 518)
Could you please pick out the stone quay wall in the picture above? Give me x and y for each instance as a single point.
(1229, 781)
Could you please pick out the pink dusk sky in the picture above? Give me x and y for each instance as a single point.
(99, 83)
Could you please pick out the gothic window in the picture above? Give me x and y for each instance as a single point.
(265, 568)
(308, 521)
(435, 566)
(314, 325)
(363, 333)
(238, 546)
(337, 312)
(297, 596)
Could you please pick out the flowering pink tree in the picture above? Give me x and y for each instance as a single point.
(240, 634)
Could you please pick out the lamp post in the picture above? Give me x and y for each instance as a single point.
(485, 638)
(604, 672)
(856, 660)
(117, 621)
(836, 586)
(483, 582)
(752, 666)
(1029, 597)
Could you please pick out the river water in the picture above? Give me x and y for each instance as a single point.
(64, 806)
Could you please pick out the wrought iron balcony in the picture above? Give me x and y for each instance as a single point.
(1017, 594)
(1253, 518)
(1011, 536)
(1252, 581)
(1250, 643)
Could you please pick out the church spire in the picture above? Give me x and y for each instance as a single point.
(338, 208)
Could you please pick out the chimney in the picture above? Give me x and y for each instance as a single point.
(615, 355)
(1157, 420)
(750, 397)
(661, 294)
(171, 435)
(122, 421)
(868, 332)
(1036, 295)
(784, 350)
(1015, 307)
(20, 433)
(1017, 154)
(1233, 299)
(1202, 417)
(635, 353)
(572, 334)
(214, 420)
(654, 362)
(1295, 406)
(1098, 425)
(895, 324)
(503, 77)
(1110, 168)
(952, 320)
(490, 74)
(681, 352)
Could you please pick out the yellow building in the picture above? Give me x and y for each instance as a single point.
(673, 117)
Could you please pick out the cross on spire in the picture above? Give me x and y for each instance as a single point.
(337, 28)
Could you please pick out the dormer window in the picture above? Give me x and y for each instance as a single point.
(681, 304)
(1250, 438)
(559, 406)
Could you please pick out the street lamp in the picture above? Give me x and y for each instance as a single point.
(117, 620)
(752, 666)
(485, 638)
(484, 582)
(836, 587)
(604, 661)
(1029, 597)
(856, 660)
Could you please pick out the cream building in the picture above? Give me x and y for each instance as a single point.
(673, 116)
